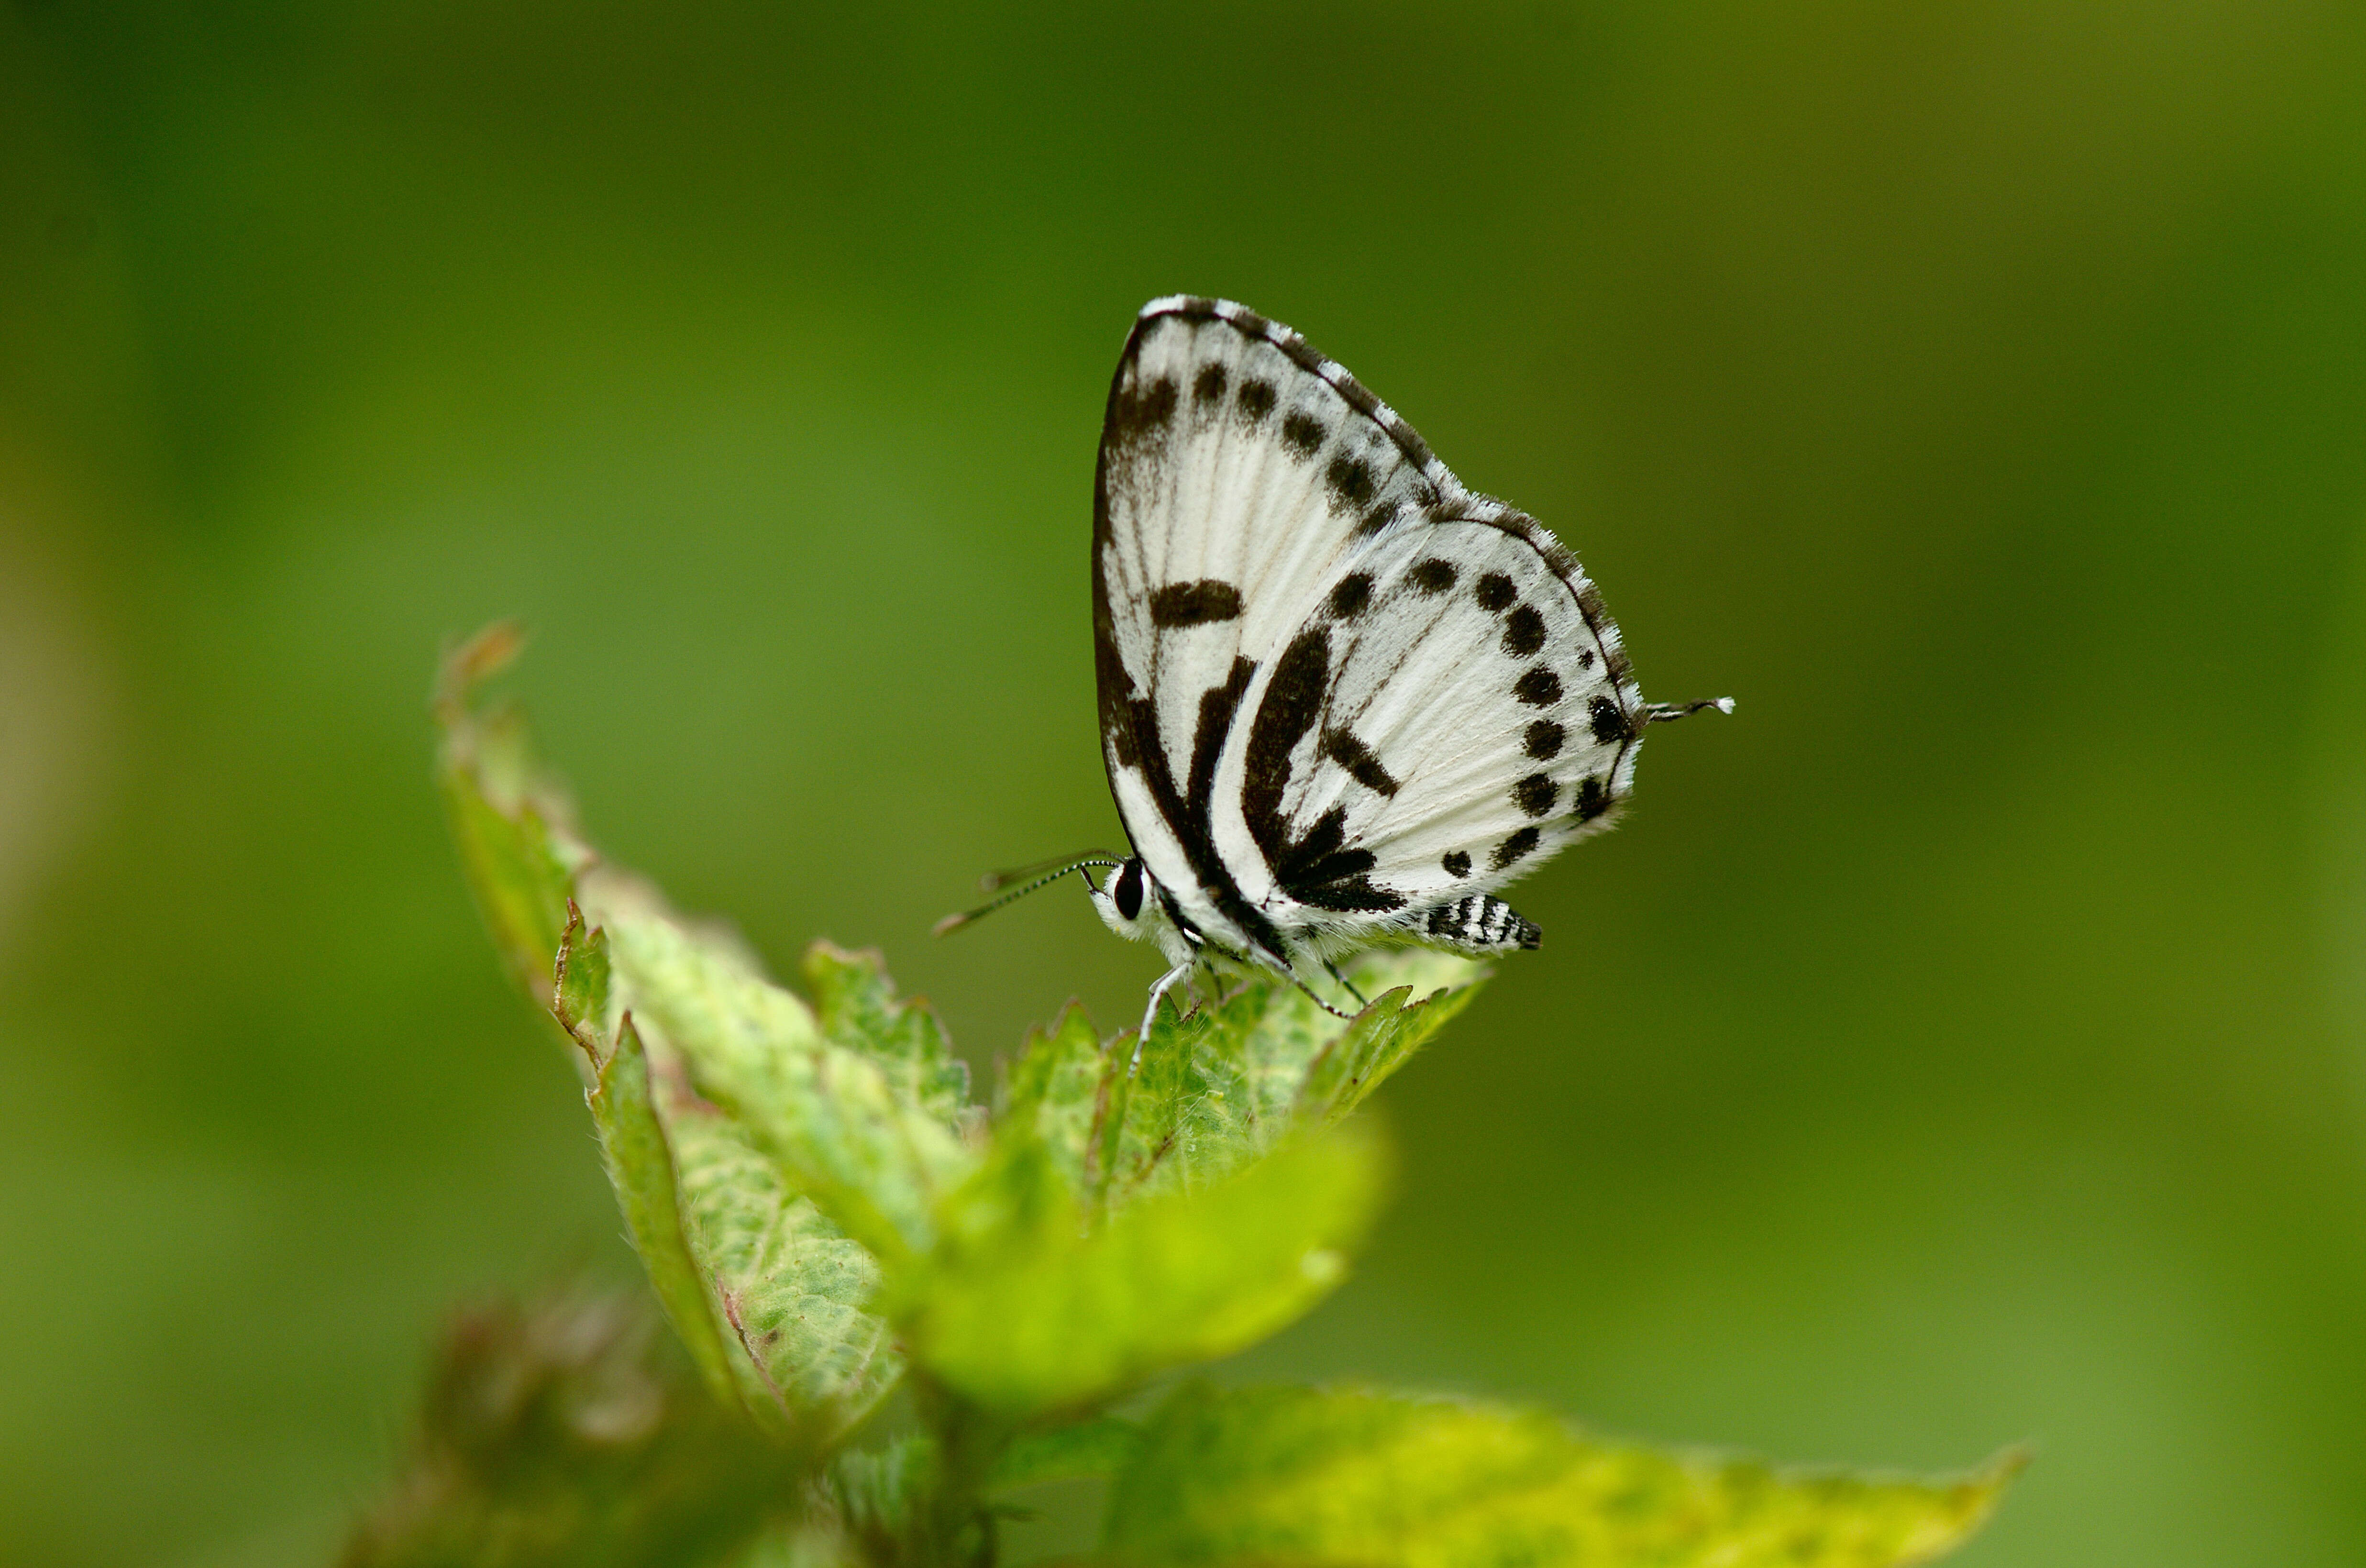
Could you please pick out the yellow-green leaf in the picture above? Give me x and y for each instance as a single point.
(1311, 1476)
(1101, 1446)
(858, 1009)
(869, 1157)
(1051, 1091)
(1223, 1084)
(1023, 1310)
(508, 820)
(640, 1163)
(790, 1288)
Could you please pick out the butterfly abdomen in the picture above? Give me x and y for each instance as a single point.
(1480, 924)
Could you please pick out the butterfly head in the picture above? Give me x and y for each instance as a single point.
(1124, 898)
(1133, 905)
(1129, 904)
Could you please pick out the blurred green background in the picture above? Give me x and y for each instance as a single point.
(1964, 1042)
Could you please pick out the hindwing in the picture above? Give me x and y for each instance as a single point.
(1444, 720)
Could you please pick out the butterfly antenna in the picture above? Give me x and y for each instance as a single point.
(994, 881)
(1060, 868)
(1663, 713)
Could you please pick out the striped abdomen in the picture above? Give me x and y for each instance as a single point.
(1480, 924)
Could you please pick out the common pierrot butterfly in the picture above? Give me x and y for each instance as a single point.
(1343, 699)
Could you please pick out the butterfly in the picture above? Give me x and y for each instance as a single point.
(1343, 699)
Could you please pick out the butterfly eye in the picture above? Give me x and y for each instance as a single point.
(1129, 889)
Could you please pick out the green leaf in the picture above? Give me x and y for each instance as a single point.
(871, 1159)
(1309, 1476)
(765, 1293)
(640, 1163)
(1102, 1446)
(1052, 1094)
(582, 996)
(1220, 1087)
(1427, 990)
(859, 1011)
(633, 1145)
(1023, 1310)
(509, 821)
(789, 1288)
(565, 1435)
(881, 1497)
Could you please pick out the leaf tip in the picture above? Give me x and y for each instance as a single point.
(474, 661)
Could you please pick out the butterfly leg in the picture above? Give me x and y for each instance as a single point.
(1344, 981)
(1158, 988)
(1281, 967)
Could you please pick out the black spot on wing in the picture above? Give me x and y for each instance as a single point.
(1456, 864)
(1301, 434)
(1194, 604)
(1207, 387)
(1513, 848)
(1343, 748)
(1432, 576)
(1350, 480)
(1544, 739)
(1495, 591)
(1146, 410)
(1524, 632)
(1378, 517)
(1350, 594)
(1535, 794)
(1593, 799)
(1540, 688)
(1254, 400)
(1585, 658)
(1608, 721)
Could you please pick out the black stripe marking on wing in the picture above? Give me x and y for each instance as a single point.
(1345, 748)
(1316, 868)
(1186, 815)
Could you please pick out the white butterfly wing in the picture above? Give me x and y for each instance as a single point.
(1245, 482)
(1451, 712)
(1237, 467)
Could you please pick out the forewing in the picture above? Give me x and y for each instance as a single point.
(1450, 711)
(1238, 468)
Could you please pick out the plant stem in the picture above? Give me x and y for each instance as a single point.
(954, 1530)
